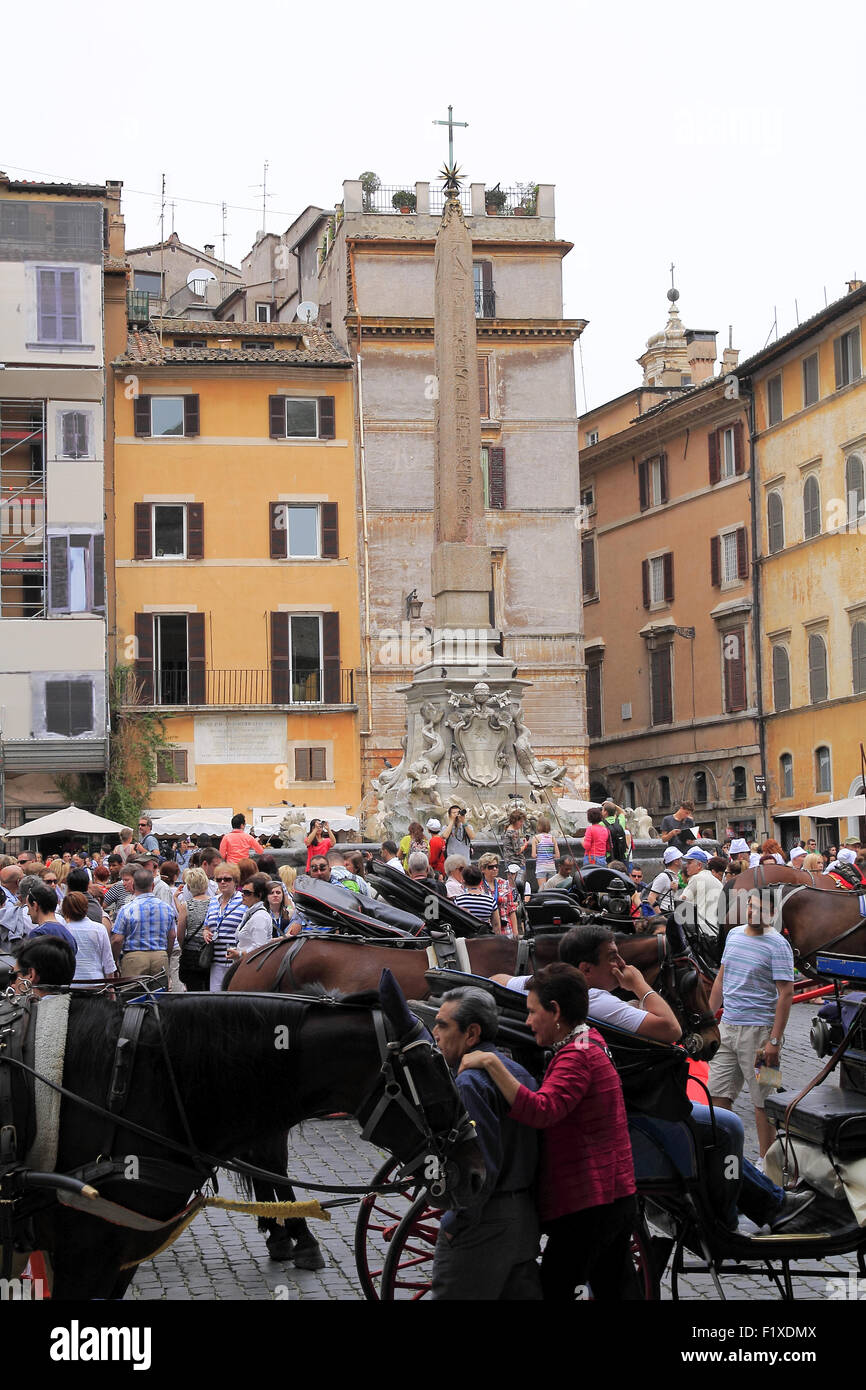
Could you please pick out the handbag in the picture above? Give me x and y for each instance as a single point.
(196, 957)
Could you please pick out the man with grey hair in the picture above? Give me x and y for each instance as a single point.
(418, 868)
(488, 1252)
(145, 928)
(14, 917)
(454, 866)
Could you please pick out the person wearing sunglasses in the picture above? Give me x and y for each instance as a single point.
(224, 916)
(256, 927)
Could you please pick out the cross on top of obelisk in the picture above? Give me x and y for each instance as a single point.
(451, 123)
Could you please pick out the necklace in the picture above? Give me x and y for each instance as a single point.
(575, 1032)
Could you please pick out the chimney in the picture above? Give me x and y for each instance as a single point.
(701, 347)
(731, 355)
(854, 285)
(209, 248)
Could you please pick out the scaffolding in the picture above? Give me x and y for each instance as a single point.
(22, 509)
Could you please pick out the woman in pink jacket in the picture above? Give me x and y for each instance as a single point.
(586, 1199)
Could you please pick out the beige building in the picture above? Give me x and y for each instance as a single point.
(180, 280)
(667, 580)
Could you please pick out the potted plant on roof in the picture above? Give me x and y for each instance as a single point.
(495, 200)
(370, 185)
(528, 200)
(403, 200)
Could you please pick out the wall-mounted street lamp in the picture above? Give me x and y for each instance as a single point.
(413, 606)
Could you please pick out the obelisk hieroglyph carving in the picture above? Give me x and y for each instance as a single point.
(461, 574)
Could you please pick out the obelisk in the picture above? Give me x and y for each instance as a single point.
(461, 573)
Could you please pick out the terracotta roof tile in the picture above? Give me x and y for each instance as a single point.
(318, 346)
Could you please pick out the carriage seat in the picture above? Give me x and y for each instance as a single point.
(829, 1117)
(664, 1152)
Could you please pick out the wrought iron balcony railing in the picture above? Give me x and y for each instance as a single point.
(485, 304)
(196, 685)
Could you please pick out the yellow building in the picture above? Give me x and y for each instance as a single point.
(808, 400)
(236, 561)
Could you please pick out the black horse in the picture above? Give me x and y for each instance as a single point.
(226, 1074)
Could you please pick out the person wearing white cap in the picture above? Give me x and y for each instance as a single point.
(663, 886)
(701, 894)
(739, 853)
(845, 870)
(797, 853)
(436, 852)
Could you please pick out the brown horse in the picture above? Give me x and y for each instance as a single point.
(816, 920)
(341, 963)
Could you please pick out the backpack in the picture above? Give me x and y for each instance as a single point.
(618, 845)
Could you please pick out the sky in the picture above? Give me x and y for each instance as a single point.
(720, 138)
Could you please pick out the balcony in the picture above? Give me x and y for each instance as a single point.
(485, 304)
(137, 306)
(179, 688)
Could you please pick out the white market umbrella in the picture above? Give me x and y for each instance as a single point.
(72, 820)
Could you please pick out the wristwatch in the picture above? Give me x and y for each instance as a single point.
(776, 1042)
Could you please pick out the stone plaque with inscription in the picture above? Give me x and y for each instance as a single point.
(240, 738)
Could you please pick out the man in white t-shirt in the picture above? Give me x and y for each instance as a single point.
(701, 894)
(664, 885)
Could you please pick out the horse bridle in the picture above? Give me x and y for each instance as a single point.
(395, 1060)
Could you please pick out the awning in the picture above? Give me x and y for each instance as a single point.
(266, 819)
(72, 820)
(198, 820)
(850, 807)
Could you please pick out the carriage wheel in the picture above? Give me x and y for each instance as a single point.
(379, 1217)
(641, 1250)
(408, 1272)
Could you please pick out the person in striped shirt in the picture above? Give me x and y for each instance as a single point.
(223, 918)
(145, 928)
(476, 900)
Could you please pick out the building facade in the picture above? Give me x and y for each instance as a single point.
(371, 274)
(667, 577)
(62, 307)
(236, 560)
(808, 405)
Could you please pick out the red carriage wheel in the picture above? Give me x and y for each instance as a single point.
(379, 1217)
(408, 1271)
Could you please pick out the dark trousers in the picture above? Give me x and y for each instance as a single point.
(494, 1259)
(590, 1247)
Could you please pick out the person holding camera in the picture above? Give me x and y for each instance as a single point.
(319, 841)
(457, 834)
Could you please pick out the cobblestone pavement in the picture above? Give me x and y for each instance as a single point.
(222, 1255)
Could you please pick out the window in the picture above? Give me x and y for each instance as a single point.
(69, 707)
(590, 437)
(310, 765)
(810, 380)
(661, 694)
(823, 772)
(729, 559)
(484, 386)
(739, 783)
(775, 523)
(728, 458)
(493, 476)
(685, 378)
(781, 679)
(587, 498)
(172, 765)
(73, 434)
(305, 658)
(774, 400)
(786, 774)
(166, 417)
(846, 358)
(76, 572)
(149, 281)
(58, 315)
(628, 795)
(658, 580)
(169, 531)
(734, 666)
(263, 313)
(726, 452)
(858, 656)
(170, 658)
(296, 417)
(593, 699)
(485, 298)
(664, 791)
(817, 668)
(699, 791)
(854, 491)
(254, 344)
(304, 531)
(811, 508)
(190, 342)
(588, 569)
(653, 482)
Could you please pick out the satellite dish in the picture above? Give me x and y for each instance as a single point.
(308, 311)
(197, 280)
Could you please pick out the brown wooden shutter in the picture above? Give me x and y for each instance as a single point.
(302, 764)
(739, 448)
(190, 415)
(331, 658)
(663, 477)
(195, 657)
(484, 386)
(715, 561)
(734, 657)
(487, 307)
(645, 581)
(742, 553)
(838, 362)
(143, 531)
(327, 417)
(643, 484)
(144, 655)
(99, 573)
(58, 573)
(279, 530)
(715, 470)
(318, 765)
(141, 412)
(277, 416)
(587, 550)
(330, 532)
(280, 658)
(496, 477)
(195, 531)
(660, 676)
(669, 576)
